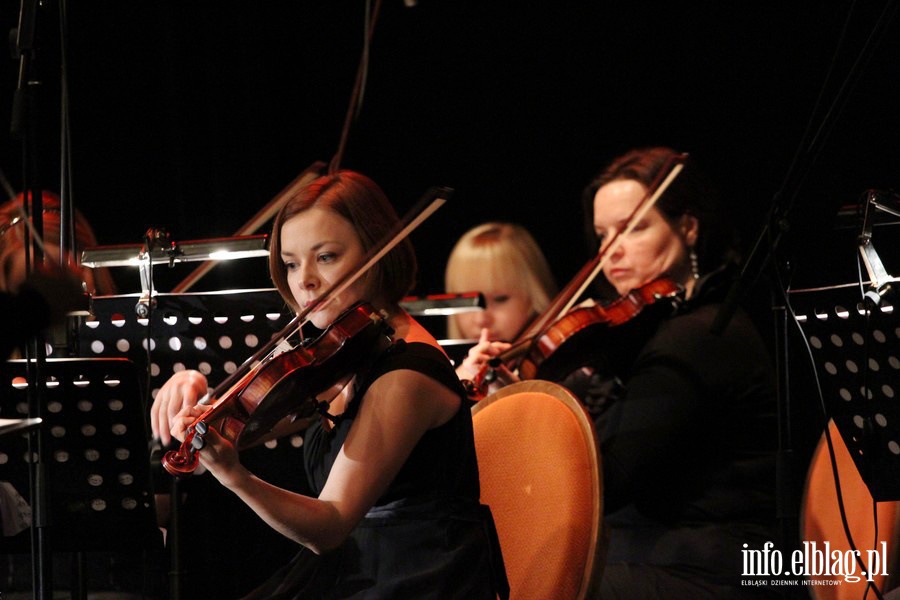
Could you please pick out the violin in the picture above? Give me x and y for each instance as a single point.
(291, 385)
(574, 337)
(587, 335)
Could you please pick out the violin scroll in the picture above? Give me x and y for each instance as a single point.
(182, 462)
(492, 376)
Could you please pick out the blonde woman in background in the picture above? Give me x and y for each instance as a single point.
(503, 262)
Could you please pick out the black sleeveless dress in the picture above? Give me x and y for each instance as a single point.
(427, 536)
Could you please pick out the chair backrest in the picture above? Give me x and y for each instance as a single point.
(539, 466)
(820, 521)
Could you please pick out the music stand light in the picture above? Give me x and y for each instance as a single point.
(133, 255)
(159, 249)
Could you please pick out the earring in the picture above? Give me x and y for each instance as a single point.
(695, 264)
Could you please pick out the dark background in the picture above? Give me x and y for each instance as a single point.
(191, 115)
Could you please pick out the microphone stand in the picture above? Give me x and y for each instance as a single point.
(23, 126)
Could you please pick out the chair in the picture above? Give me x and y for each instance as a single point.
(820, 519)
(539, 467)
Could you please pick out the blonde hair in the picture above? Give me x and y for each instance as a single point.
(12, 238)
(498, 256)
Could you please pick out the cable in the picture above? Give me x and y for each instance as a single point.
(371, 18)
(67, 242)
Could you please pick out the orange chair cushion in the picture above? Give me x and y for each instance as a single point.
(536, 476)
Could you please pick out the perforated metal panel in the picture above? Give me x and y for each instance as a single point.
(95, 452)
(210, 332)
(857, 356)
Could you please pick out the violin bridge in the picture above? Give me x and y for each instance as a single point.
(282, 347)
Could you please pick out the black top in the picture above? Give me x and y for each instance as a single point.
(442, 463)
(688, 445)
(427, 536)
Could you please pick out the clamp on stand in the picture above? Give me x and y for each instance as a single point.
(880, 282)
(154, 238)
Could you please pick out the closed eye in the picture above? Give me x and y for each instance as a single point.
(640, 226)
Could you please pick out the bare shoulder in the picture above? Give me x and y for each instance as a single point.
(415, 395)
(408, 394)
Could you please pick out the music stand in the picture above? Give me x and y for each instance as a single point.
(212, 332)
(96, 449)
(855, 347)
(98, 480)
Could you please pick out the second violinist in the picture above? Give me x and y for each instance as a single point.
(687, 432)
(397, 512)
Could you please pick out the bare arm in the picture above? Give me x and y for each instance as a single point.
(396, 412)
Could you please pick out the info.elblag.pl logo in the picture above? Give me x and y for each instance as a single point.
(813, 561)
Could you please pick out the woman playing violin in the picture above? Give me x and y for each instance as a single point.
(688, 434)
(505, 264)
(397, 513)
